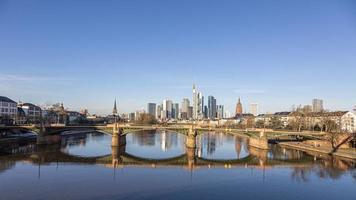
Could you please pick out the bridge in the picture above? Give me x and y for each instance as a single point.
(258, 139)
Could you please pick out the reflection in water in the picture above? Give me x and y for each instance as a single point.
(155, 145)
(163, 149)
(221, 146)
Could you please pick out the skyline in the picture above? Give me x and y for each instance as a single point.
(86, 54)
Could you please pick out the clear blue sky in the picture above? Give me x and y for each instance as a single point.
(85, 53)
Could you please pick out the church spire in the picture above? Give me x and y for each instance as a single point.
(114, 111)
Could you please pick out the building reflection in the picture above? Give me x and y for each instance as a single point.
(304, 165)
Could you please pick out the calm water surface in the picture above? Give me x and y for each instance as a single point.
(157, 165)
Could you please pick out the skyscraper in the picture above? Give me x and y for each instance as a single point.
(205, 112)
(167, 109)
(185, 108)
(211, 107)
(151, 109)
(317, 105)
(220, 112)
(254, 109)
(238, 108)
(198, 104)
(175, 111)
(158, 111)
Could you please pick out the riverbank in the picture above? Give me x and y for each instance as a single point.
(345, 153)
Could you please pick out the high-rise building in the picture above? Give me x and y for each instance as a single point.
(190, 112)
(206, 112)
(198, 104)
(158, 111)
(167, 108)
(317, 105)
(151, 109)
(354, 109)
(175, 111)
(254, 109)
(212, 107)
(238, 108)
(185, 108)
(220, 111)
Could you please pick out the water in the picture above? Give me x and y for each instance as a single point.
(159, 166)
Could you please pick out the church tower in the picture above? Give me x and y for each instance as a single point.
(114, 111)
(238, 108)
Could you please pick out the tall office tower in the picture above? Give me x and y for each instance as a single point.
(198, 104)
(220, 111)
(254, 109)
(158, 111)
(151, 109)
(238, 108)
(206, 112)
(175, 111)
(167, 109)
(211, 107)
(185, 108)
(317, 105)
(190, 112)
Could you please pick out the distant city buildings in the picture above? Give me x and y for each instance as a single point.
(317, 105)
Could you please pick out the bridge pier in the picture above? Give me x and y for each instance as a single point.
(118, 139)
(191, 139)
(260, 142)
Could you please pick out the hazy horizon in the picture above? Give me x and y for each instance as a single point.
(85, 53)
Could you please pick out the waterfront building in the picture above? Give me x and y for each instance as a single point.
(220, 111)
(317, 105)
(254, 109)
(8, 110)
(151, 109)
(337, 121)
(32, 112)
(238, 109)
(211, 108)
(348, 122)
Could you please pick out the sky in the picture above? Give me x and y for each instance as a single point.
(87, 53)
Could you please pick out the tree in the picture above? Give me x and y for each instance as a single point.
(145, 118)
(276, 123)
(260, 123)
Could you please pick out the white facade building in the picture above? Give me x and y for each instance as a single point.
(8, 108)
(348, 122)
